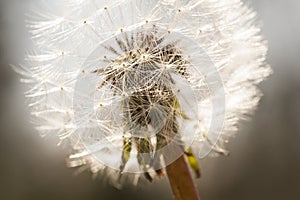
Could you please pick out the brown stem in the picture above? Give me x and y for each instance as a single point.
(181, 181)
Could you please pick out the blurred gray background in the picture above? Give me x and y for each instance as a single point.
(265, 155)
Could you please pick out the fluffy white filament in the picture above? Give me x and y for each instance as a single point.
(217, 37)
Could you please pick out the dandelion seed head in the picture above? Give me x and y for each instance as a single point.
(124, 80)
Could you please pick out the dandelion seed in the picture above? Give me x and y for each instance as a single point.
(158, 75)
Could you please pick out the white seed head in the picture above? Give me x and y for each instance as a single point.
(125, 80)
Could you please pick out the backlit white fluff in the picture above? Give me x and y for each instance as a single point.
(218, 38)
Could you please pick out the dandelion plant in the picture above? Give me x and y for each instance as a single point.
(143, 89)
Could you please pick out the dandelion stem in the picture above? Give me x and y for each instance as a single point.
(181, 181)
